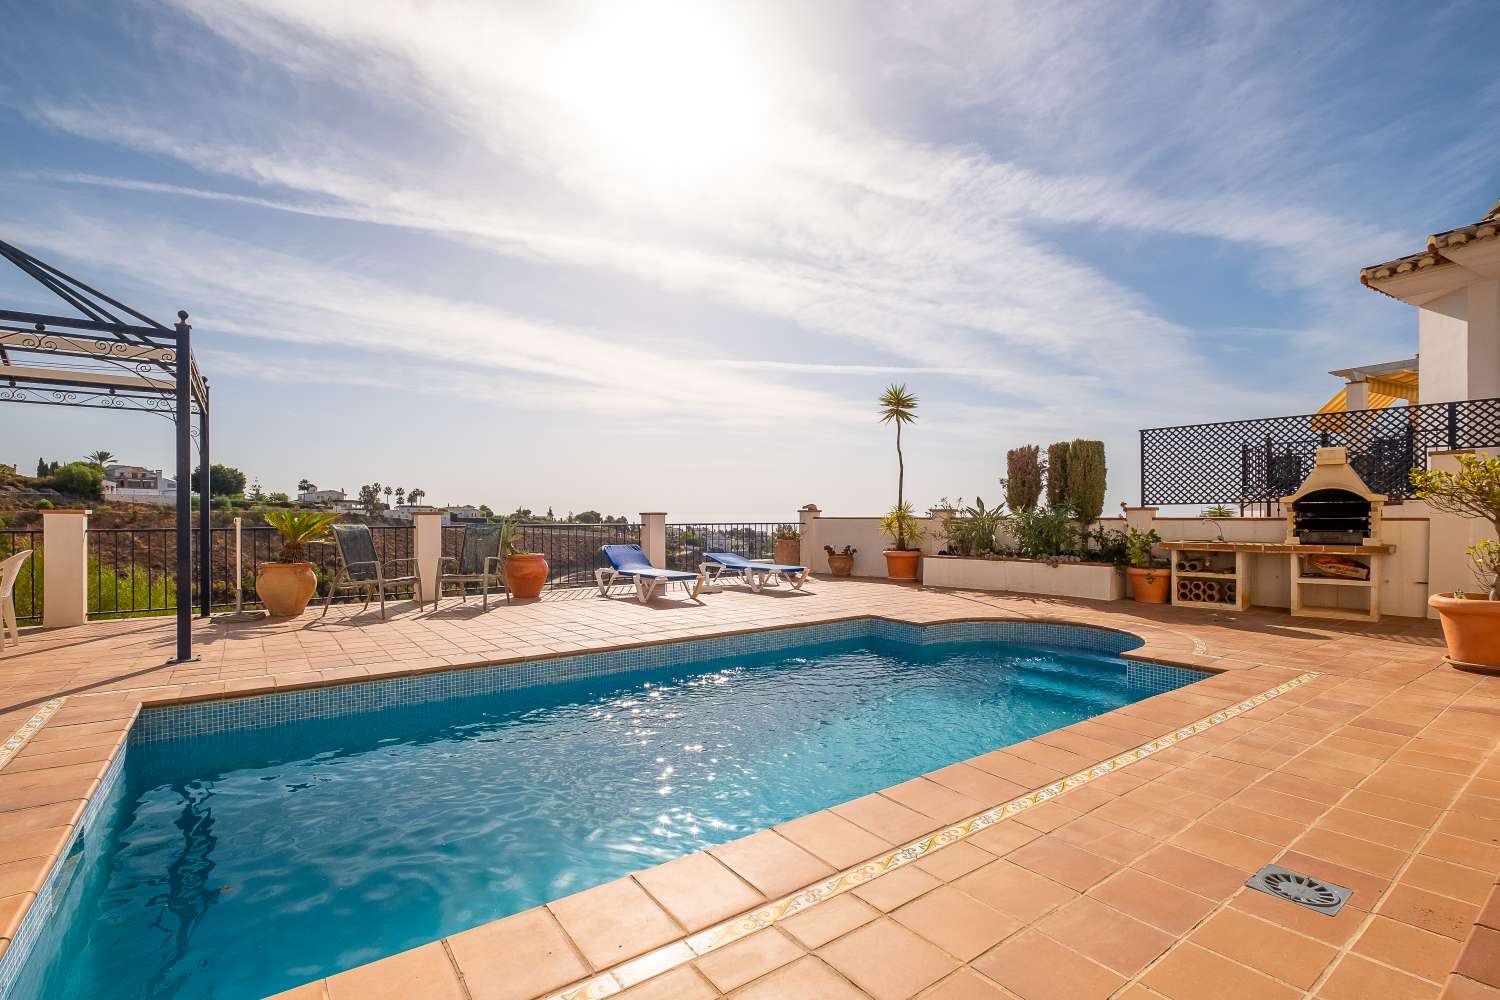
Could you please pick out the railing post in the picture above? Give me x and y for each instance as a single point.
(427, 550)
(65, 574)
(654, 537)
(1452, 426)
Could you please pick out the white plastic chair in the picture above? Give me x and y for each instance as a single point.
(10, 569)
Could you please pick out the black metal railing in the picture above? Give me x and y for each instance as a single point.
(572, 550)
(132, 571)
(686, 543)
(28, 587)
(1259, 461)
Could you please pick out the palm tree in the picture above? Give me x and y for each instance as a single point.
(898, 406)
(415, 496)
(306, 486)
(388, 491)
(400, 496)
(100, 458)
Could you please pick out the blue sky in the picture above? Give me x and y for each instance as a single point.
(664, 257)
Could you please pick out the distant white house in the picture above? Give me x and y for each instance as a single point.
(406, 510)
(465, 512)
(321, 496)
(138, 484)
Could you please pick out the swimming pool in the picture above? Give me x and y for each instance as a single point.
(334, 826)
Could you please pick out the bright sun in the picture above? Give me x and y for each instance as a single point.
(666, 95)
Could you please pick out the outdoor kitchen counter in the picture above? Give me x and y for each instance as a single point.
(1281, 547)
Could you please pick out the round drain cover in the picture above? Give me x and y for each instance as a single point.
(1301, 888)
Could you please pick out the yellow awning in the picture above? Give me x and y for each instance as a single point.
(1385, 391)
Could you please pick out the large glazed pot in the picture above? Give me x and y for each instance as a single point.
(525, 574)
(1471, 628)
(840, 565)
(285, 588)
(788, 551)
(901, 564)
(1149, 584)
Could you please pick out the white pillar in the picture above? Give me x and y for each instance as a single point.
(813, 556)
(654, 537)
(428, 550)
(1140, 518)
(65, 574)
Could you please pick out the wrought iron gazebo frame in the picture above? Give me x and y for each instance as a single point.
(116, 358)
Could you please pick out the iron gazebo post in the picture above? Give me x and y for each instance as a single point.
(205, 514)
(184, 415)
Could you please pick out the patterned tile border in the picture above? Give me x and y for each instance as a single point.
(19, 738)
(653, 963)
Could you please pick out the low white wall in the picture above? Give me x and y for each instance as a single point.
(1089, 581)
(864, 534)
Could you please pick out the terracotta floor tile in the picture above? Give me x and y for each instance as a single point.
(1192, 973)
(516, 958)
(1459, 988)
(956, 922)
(1468, 884)
(1392, 834)
(896, 888)
(1190, 871)
(886, 818)
(1462, 851)
(679, 984)
(1265, 947)
(978, 785)
(1351, 851)
(1480, 958)
(1336, 930)
(1014, 890)
(1368, 888)
(1151, 900)
(887, 961)
(1062, 862)
(966, 984)
(308, 991)
(832, 838)
(807, 979)
(1106, 935)
(954, 861)
(698, 890)
(1262, 826)
(1226, 847)
(1035, 967)
(771, 863)
(422, 972)
(748, 959)
(940, 802)
(1421, 953)
(613, 922)
(1004, 837)
(1429, 911)
(1358, 978)
(832, 918)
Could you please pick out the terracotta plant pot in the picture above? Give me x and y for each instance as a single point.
(902, 564)
(840, 565)
(525, 574)
(285, 588)
(788, 551)
(1152, 591)
(1471, 628)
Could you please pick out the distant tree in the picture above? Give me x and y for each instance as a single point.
(100, 458)
(256, 494)
(45, 468)
(306, 486)
(388, 491)
(550, 515)
(1086, 479)
(281, 499)
(589, 517)
(485, 510)
(400, 495)
(369, 498)
(1023, 477)
(415, 496)
(78, 479)
(223, 480)
(1057, 474)
(522, 514)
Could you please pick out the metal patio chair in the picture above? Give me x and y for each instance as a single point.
(478, 562)
(10, 570)
(361, 569)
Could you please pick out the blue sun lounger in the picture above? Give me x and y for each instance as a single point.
(630, 563)
(717, 565)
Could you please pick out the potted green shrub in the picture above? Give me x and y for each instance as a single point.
(840, 561)
(898, 406)
(1149, 578)
(286, 586)
(787, 546)
(1471, 621)
(525, 572)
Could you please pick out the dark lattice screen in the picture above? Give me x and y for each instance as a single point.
(1260, 461)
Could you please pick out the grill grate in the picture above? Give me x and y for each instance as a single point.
(1304, 890)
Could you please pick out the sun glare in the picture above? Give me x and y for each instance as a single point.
(666, 95)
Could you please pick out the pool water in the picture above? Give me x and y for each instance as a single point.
(234, 865)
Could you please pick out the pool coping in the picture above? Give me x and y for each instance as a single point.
(1163, 648)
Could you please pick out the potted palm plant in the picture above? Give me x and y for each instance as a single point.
(286, 586)
(1471, 621)
(898, 406)
(787, 548)
(1149, 578)
(525, 572)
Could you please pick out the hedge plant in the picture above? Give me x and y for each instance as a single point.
(1023, 477)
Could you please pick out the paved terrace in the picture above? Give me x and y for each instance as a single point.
(1378, 774)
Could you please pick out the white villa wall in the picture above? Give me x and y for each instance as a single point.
(1459, 336)
(864, 534)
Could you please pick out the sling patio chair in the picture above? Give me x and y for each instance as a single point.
(478, 562)
(10, 571)
(630, 563)
(361, 569)
(718, 565)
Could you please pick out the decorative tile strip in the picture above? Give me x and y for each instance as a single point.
(705, 941)
(19, 738)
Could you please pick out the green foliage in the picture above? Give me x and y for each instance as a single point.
(220, 503)
(972, 532)
(45, 468)
(1057, 474)
(1044, 533)
(898, 406)
(902, 526)
(589, 517)
(78, 479)
(1485, 557)
(1219, 510)
(847, 550)
(788, 532)
(369, 498)
(100, 458)
(45, 504)
(126, 589)
(1105, 545)
(1023, 477)
(1086, 479)
(306, 486)
(1472, 491)
(223, 480)
(1138, 545)
(512, 539)
(298, 527)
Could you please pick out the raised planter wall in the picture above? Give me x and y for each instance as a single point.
(1089, 581)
